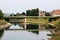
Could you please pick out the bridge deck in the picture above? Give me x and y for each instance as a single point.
(30, 17)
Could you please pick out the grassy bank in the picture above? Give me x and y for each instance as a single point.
(42, 21)
(57, 33)
(56, 36)
(2, 22)
(4, 25)
(36, 21)
(57, 24)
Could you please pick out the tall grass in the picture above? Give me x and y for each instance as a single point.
(37, 21)
(57, 24)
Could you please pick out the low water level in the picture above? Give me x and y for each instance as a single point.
(24, 34)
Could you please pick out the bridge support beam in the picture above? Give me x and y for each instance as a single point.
(25, 24)
(39, 27)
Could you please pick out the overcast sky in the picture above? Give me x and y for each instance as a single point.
(14, 6)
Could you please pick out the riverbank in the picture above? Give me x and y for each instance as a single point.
(57, 24)
(35, 21)
(42, 21)
(56, 35)
(4, 24)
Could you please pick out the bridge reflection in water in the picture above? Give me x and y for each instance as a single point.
(19, 32)
(34, 28)
(25, 26)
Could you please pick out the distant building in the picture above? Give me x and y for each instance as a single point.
(55, 13)
(42, 13)
(6, 14)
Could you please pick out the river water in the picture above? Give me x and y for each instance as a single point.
(24, 34)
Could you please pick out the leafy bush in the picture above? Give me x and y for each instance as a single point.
(1, 14)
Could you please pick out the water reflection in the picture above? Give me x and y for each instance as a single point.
(32, 32)
(26, 35)
(15, 26)
(1, 33)
(27, 26)
(32, 26)
(35, 32)
(41, 34)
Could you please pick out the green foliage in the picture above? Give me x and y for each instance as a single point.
(48, 14)
(1, 14)
(23, 13)
(32, 26)
(32, 12)
(57, 37)
(17, 14)
(28, 12)
(37, 21)
(57, 24)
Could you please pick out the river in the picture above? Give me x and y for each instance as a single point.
(22, 34)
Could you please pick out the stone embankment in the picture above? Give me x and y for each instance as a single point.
(51, 24)
(2, 27)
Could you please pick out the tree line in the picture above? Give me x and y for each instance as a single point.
(1, 14)
(32, 12)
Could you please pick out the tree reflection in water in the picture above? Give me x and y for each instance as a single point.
(32, 26)
(36, 32)
(1, 33)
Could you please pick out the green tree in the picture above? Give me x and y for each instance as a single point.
(23, 13)
(35, 12)
(1, 14)
(47, 14)
(17, 14)
(28, 12)
(32, 12)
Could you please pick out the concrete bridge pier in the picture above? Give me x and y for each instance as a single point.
(25, 23)
(39, 27)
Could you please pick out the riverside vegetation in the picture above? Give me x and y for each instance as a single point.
(56, 35)
(56, 23)
(35, 20)
(43, 21)
(3, 23)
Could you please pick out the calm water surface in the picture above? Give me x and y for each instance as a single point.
(24, 34)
